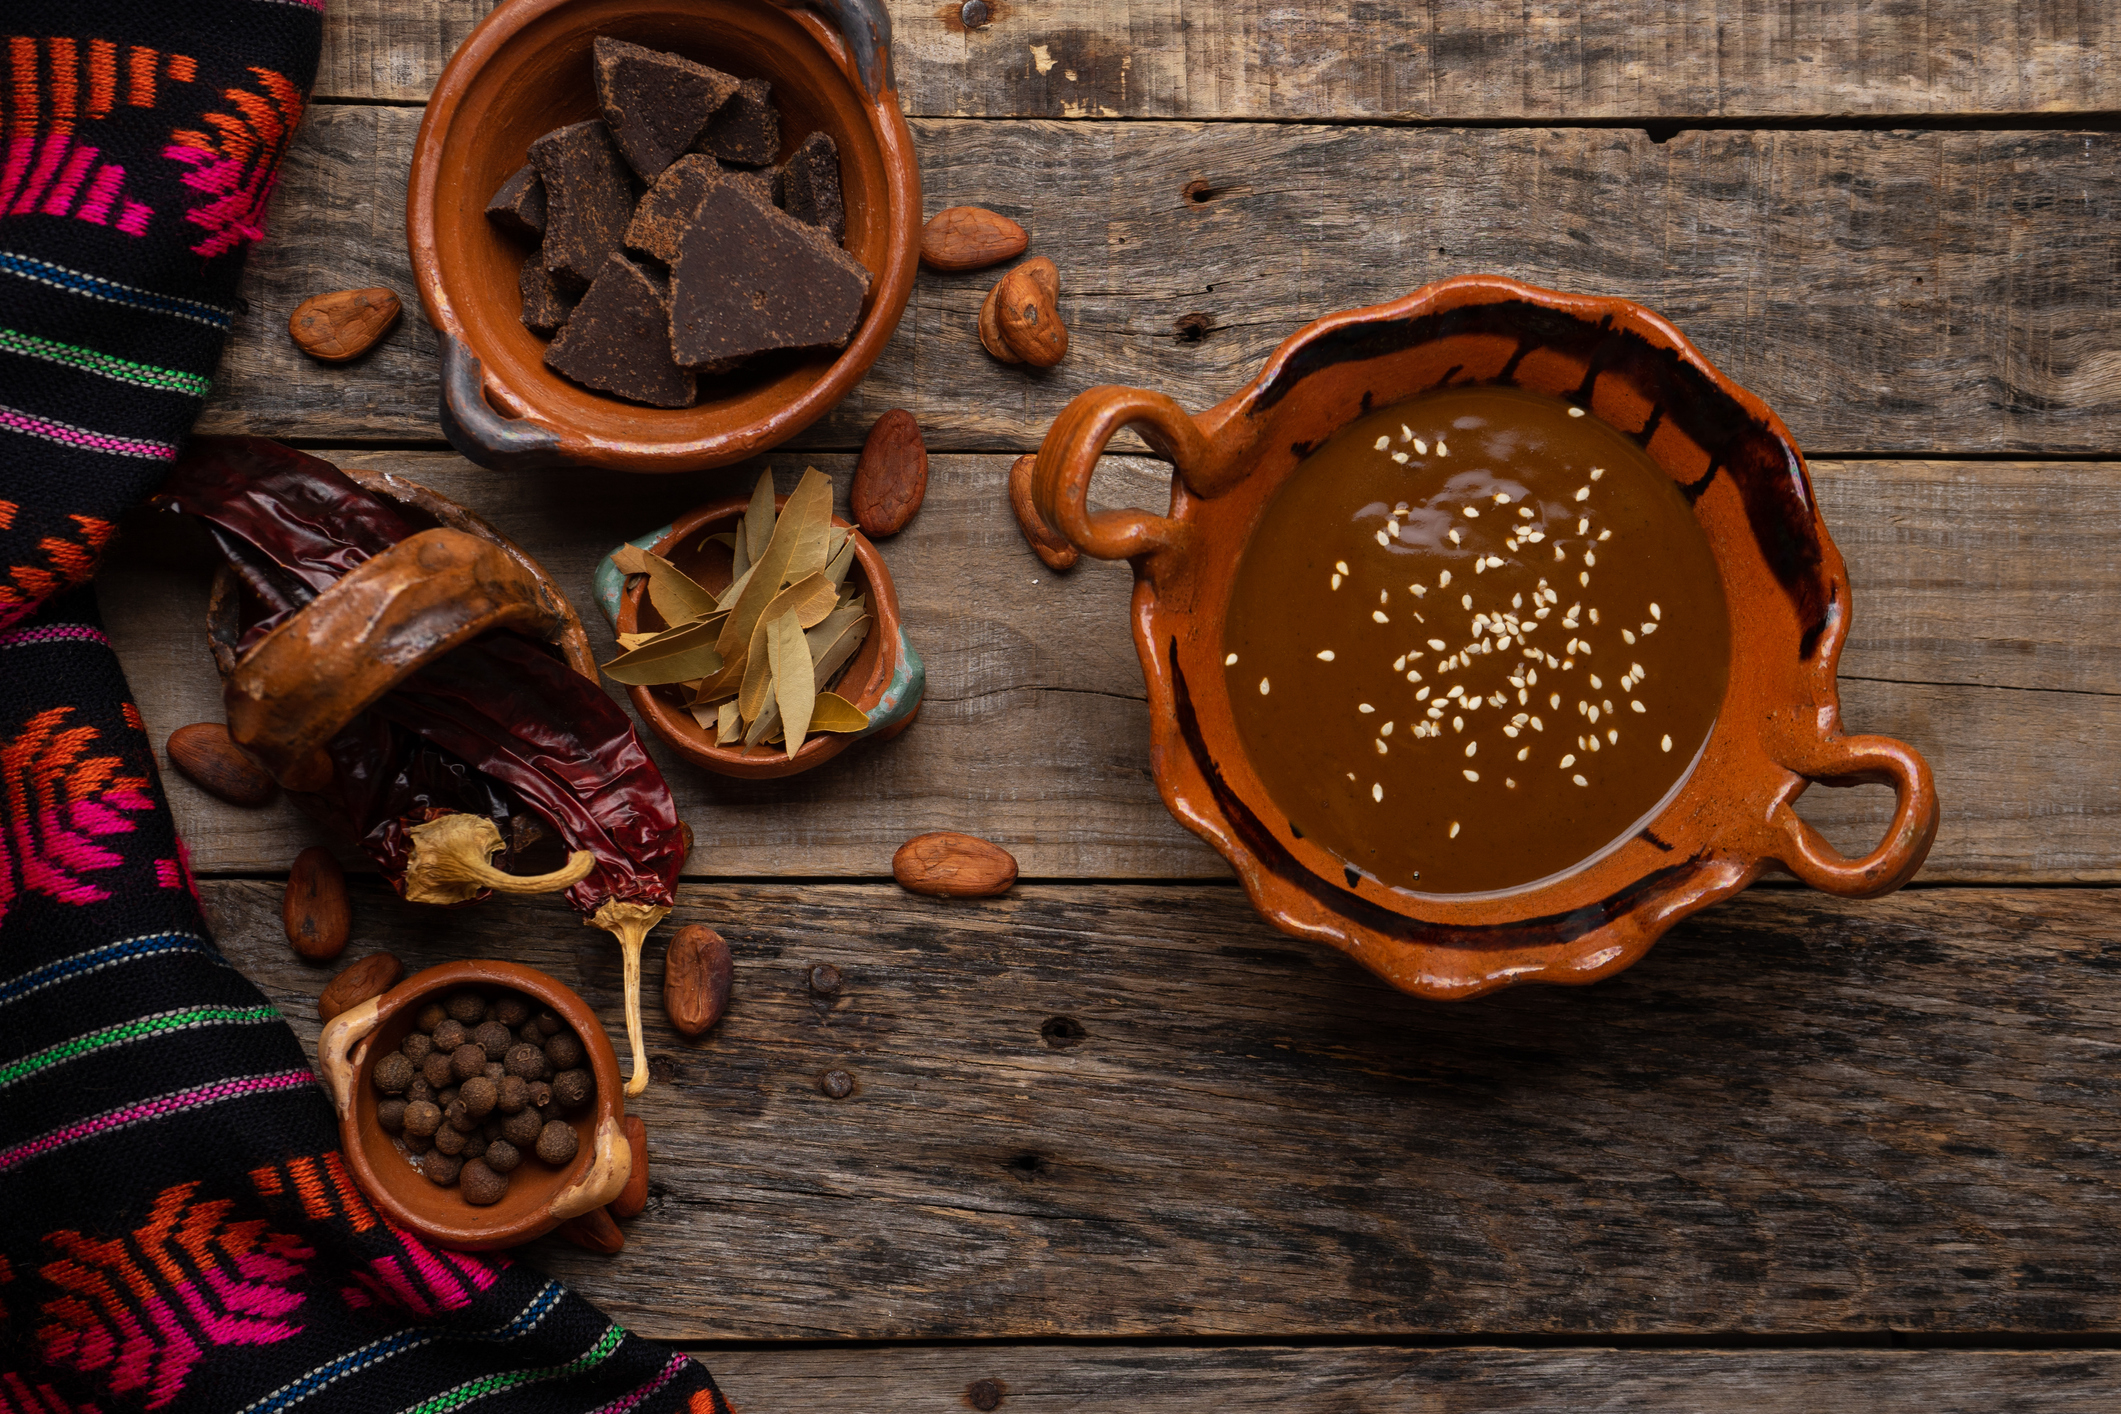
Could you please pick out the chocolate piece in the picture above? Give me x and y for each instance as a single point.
(750, 279)
(746, 129)
(659, 221)
(655, 103)
(619, 340)
(765, 182)
(813, 186)
(588, 200)
(519, 206)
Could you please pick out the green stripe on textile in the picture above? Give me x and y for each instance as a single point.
(511, 1379)
(103, 365)
(160, 1024)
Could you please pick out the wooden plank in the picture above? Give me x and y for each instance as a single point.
(1884, 291)
(1797, 1114)
(1982, 634)
(1452, 1380)
(1450, 61)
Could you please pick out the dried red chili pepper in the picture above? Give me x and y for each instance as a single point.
(490, 728)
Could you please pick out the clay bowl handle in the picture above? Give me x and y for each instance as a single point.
(1067, 459)
(376, 626)
(1863, 760)
(610, 1165)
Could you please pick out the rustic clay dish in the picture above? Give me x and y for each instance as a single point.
(539, 1197)
(885, 677)
(381, 622)
(524, 71)
(1780, 723)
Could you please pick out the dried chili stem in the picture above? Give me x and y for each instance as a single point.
(631, 923)
(450, 863)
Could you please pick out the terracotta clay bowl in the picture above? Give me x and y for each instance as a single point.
(885, 677)
(539, 1197)
(524, 71)
(1779, 727)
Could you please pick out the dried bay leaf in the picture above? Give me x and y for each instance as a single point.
(677, 655)
(810, 504)
(768, 719)
(841, 559)
(834, 713)
(758, 520)
(813, 524)
(728, 725)
(670, 589)
(828, 658)
(630, 641)
(795, 689)
(758, 676)
(730, 595)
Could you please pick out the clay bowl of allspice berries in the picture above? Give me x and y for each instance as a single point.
(479, 1102)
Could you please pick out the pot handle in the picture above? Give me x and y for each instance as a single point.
(610, 1165)
(1067, 459)
(1863, 760)
(475, 429)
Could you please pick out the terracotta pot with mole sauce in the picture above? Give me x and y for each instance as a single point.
(1490, 632)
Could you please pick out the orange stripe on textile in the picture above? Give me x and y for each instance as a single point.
(7, 513)
(102, 76)
(351, 1202)
(141, 63)
(182, 68)
(66, 83)
(309, 1187)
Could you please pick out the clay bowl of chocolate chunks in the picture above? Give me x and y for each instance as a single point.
(660, 236)
(468, 1141)
(1489, 633)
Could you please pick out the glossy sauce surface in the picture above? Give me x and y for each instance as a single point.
(1477, 638)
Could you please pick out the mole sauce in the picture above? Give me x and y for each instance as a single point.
(1477, 638)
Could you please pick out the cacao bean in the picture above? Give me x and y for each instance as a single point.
(990, 329)
(634, 1196)
(970, 238)
(594, 1231)
(344, 324)
(315, 910)
(951, 865)
(1048, 543)
(371, 977)
(697, 971)
(1027, 311)
(891, 477)
(209, 758)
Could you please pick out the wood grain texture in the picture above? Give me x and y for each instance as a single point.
(1883, 291)
(1466, 1380)
(1796, 1114)
(1442, 61)
(1982, 634)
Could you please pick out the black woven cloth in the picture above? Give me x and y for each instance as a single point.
(177, 1229)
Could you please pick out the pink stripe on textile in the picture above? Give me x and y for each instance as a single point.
(19, 148)
(134, 217)
(634, 1400)
(177, 1102)
(87, 439)
(55, 147)
(95, 207)
(69, 182)
(57, 633)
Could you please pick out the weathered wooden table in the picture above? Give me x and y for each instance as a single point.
(1809, 1153)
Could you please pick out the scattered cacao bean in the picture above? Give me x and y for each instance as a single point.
(372, 976)
(595, 1231)
(1055, 552)
(970, 238)
(209, 758)
(990, 329)
(1027, 311)
(696, 975)
(891, 477)
(951, 865)
(634, 1196)
(344, 324)
(315, 910)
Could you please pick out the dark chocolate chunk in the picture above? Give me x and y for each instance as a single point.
(750, 279)
(588, 200)
(747, 129)
(519, 206)
(766, 185)
(660, 220)
(619, 340)
(655, 103)
(813, 186)
(545, 305)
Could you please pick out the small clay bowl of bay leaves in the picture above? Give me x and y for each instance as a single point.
(873, 691)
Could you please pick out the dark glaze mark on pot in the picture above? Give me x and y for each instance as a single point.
(1770, 482)
(1273, 856)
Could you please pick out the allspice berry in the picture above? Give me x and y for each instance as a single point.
(557, 1142)
(391, 1115)
(441, 1169)
(419, 1090)
(502, 1156)
(445, 1097)
(416, 1045)
(431, 1016)
(419, 1143)
(392, 1074)
(572, 1089)
(474, 1145)
(450, 1139)
(548, 1022)
(423, 1118)
(540, 1093)
(450, 1035)
(522, 1128)
(457, 1115)
(527, 1062)
(511, 1011)
(479, 1096)
(435, 1069)
(513, 1094)
(467, 1060)
(564, 1051)
(481, 1184)
(495, 1037)
(467, 1007)
(494, 1071)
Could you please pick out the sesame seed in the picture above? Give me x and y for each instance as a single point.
(1596, 472)
(1537, 725)
(1422, 696)
(1593, 714)
(1384, 596)
(1383, 539)
(1413, 675)
(1436, 714)
(1364, 708)
(1385, 730)
(1480, 566)
(1465, 601)
(1472, 748)
(1553, 699)
(1380, 747)
(1667, 743)
(1594, 615)
(1342, 566)
(1589, 558)
(1525, 511)
(1377, 792)
(1438, 644)
(1441, 449)
(1399, 665)
(1578, 778)
(1560, 554)
(1605, 535)
(1421, 447)
(1443, 581)
(1584, 578)
(1230, 661)
(1418, 590)
(1655, 612)
(1472, 512)
(1636, 669)
(1583, 493)
(1456, 691)
(1612, 734)
(1336, 581)
(1262, 687)
(1472, 775)
(1458, 724)
(1453, 537)
(1379, 616)
(1627, 635)
(1382, 443)
(1648, 629)
(1595, 683)
(1509, 731)
(1406, 433)
(1325, 655)
(1567, 761)
(1637, 705)
(1575, 412)
(1454, 829)
(1523, 751)
(1401, 457)
(1392, 528)
(1592, 741)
